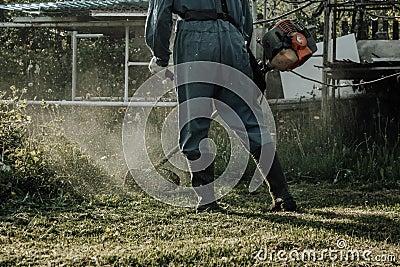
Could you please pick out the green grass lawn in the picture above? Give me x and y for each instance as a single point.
(130, 230)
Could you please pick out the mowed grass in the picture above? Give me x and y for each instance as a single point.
(131, 230)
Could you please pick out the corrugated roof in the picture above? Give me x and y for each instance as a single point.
(77, 8)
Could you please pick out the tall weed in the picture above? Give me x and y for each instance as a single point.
(354, 150)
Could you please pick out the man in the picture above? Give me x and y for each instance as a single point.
(204, 32)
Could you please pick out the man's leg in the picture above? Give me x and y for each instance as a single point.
(195, 111)
(261, 147)
(282, 200)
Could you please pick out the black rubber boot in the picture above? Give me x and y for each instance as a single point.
(209, 207)
(282, 200)
(201, 182)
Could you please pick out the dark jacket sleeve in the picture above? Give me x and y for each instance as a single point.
(248, 20)
(158, 29)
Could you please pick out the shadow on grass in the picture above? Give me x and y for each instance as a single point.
(353, 213)
(331, 196)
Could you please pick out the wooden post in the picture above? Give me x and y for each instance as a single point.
(395, 30)
(345, 27)
(385, 26)
(362, 29)
(353, 21)
(333, 58)
(334, 33)
(374, 25)
(326, 59)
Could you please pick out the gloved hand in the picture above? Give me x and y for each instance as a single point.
(154, 67)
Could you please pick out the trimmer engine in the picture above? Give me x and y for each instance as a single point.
(287, 45)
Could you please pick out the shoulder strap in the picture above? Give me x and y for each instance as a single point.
(226, 16)
(258, 75)
(224, 6)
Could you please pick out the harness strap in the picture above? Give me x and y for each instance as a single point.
(210, 14)
(205, 14)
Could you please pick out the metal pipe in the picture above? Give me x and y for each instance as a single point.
(74, 25)
(90, 35)
(265, 10)
(253, 43)
(96, 103)
(254, 9)
(126, 87)
(137, 63)
(271, 102)
(74, 62)
(141, 63)
(112, 99)
(279, 104)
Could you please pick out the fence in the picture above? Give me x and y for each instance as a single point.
(379, 29)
